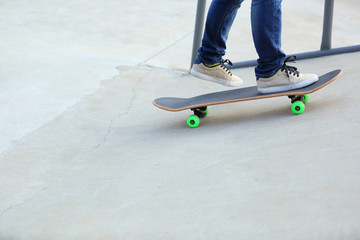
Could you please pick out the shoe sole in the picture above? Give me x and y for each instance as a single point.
(215, 80)
(289, 87)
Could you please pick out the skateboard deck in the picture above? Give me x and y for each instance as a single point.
(200, 103)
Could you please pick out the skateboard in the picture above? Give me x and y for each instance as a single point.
(199, 104)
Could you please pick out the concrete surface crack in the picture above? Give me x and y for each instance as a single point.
(166, 48)
(126, 111)
(22, 203)
(106, 136)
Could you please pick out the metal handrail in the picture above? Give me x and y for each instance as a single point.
(325, 48)
(199, 26)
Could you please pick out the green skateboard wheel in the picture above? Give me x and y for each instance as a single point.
(206, 112)
(298, 107)
(193, 121)
(306, 98)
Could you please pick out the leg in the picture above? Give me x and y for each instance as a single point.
(272, 73)
(266, 30)
(219, 20)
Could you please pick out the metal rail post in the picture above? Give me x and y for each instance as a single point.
(327, 25)
(199, 27)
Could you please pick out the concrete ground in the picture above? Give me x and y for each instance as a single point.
(85, 155)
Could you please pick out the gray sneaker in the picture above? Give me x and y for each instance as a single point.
(217, 73)
(287, 78)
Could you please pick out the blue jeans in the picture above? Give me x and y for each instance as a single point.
(266, 31)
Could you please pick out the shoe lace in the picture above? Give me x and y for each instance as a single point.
(290, 69)
(223, 66)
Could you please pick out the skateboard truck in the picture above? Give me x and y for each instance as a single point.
(201, 112)
(304, 98)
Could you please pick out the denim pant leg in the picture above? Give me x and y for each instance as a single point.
(266, 30)
(219, 20)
